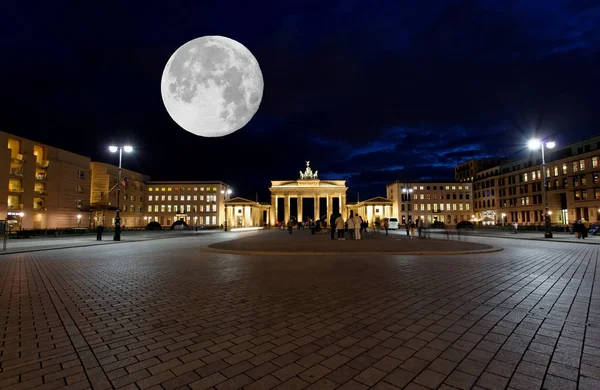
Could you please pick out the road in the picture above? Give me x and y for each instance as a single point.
(165, 314)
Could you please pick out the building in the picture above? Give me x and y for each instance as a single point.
(373, 210)
(573, 177)
(42, 187)
(308, 187)
(447, 202)
(195, 202)
(103, 196)
(485, 196)
(467, 171)
(243, 213)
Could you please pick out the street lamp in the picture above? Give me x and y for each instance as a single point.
(503, 216)
(226, 195)
(407, 191)
(120, 149)
(78, 220)
(535, 144)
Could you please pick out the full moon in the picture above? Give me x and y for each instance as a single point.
(212, 86)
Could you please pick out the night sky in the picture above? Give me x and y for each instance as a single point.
(368, 91)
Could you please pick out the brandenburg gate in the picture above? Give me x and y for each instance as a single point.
(308, 185)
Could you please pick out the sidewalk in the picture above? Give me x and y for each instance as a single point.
(15, 245)
(530, 235)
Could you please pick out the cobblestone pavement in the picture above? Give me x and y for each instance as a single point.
(372, 242)
(164, 315)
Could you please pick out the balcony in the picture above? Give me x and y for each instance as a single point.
(15, 189)
(42, 163)
(17, 157)
(41, 192)
(16, 171)
(15, 207)
(41, 176)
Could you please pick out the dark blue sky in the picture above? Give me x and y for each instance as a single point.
(369, 91)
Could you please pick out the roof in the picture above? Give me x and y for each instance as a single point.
(375, 200)
(243, 201)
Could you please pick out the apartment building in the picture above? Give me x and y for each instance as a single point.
(42, 187)
(485, 192)
(195, 202)
(447, 202)
(467, 171)
(103, 196)
(573, 185)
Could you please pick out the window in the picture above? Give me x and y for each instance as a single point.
(169, 189)
(149, 208)
(163, 189)
(201, 208)
(149, 189)
(195, 197)
(447, 187)
(421, 187)
(575, 166)
(448, 207)
(189, 197)
(596, 178)
(422, 196)
(162, 208)
(555, 170)
(214, 220)
(214, 208)
(594, 162)
(467, 206)
(441, 207)
(453, 188)
(176, 197)
(195, 188)
(156, 208)
(201, 197)
(188, 208)
(169, 197)
(175, 208)
(80, 174)
(422, 207)
(79, 189)
(564, 169)
(162, 198)
(169, 208)
(460, 206)
(460, 188)
(596, 193)
(581, 165)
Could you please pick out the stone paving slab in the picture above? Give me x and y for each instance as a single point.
(163, 315)
(278, 242)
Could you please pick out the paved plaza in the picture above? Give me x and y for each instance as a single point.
(166, 314)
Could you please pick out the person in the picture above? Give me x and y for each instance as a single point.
(586, 227)
(99, 230)
(332, 225)
(420, 228)
(386, 225)
(339, 226)
(357, 232)
(412, 229)
(350, 222)
(290, 226)
(516, 227)
(407, 226)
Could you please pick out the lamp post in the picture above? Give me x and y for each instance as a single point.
(120, 149)
(407, 191)
(226, 195)
(535, 144)
(78, 220)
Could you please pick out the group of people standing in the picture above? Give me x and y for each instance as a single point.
(356, 226)
(412, 226)
(580, 228)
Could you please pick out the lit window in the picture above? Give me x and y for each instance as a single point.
(162, 198)
(428, 206)
(422, 196)
(149, 208)
(441, 207)
(150, 189)
(581, 165)
(421, 188)
(189, 188)
(195, 188)
(453, 188)
(169, 208)
(214, 207)
(156, 208)
(169, 189)
(169, 197)
(555, 170)
(564, 169)
(447, 187)
(525, 177)
(176, 197)
(175, 209)
(575, 166)
(162, 208)
(214, 220)
(594, 162)
(422, 207)
(467, 207)
(201, 197)
(189, 197)
(163, 189)
(188, 208)
(214, 189)
(454, 206)
(448, 206)
(201, 208)
(202, 189)
(195, 197)
(415, 207)
(460, 188)
(460, 206)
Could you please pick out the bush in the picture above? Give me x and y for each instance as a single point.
(153, 226)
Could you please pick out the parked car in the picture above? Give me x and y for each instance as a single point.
(393, 223)
(466, 225)
(594, 229)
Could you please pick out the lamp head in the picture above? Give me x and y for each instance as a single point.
(534, 144)
(550, 144)
(229, 191)
(113, 149)
(79, 216)
(128, 149)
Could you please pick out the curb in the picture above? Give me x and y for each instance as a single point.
(413, 253)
